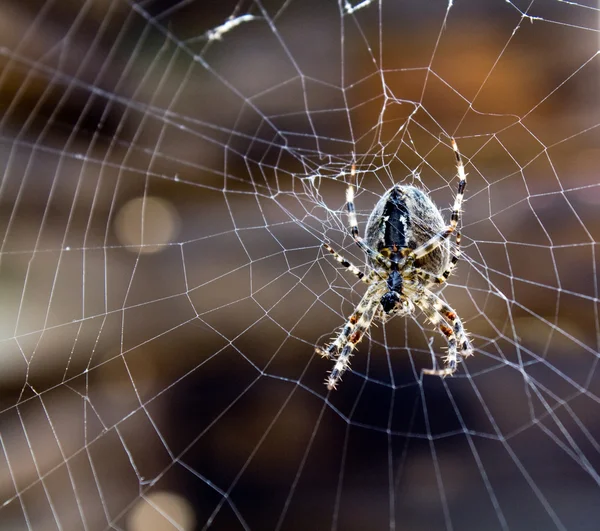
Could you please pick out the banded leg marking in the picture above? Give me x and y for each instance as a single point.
(334, 347)
(438, 279)
(367, 279)
(343, 361)
(352, 221)
(451, 358)
(446, 319)
(435, 241)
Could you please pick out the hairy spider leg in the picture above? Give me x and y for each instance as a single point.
(364, 322)
(436, 319)
(333, 348)
(437, 279)
(449, 324)
(371, 253)
(435, 241)
(446, 311)
(455, 258)
(367, 279)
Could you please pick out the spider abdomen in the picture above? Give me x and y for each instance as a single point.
(404, 218)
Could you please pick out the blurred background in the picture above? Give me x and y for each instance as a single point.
(169, 171)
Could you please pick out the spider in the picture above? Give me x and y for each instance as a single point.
(407, 245)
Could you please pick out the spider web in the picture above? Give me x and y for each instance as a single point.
(170, 171)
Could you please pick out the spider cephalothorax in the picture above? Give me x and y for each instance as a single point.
(409, 255)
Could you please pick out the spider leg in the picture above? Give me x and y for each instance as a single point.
(435, 241)
(450, 325)
(372, 254)
(454, 260)
(437, 320)
(367, 279)
(430, 278)
(464, 344)
(342, 338)
(362, 325)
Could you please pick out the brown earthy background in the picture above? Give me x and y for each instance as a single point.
(163, 199)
